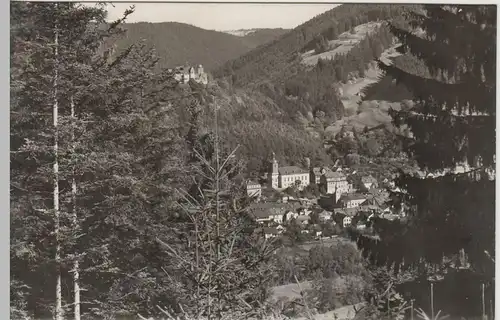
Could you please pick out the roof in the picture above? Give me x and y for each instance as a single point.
(252, 183)
(291, 170)
(346, 211)
(368, 179)
(301, 218)
(335, 175)
(317, 170)
(266, 209)
(353, 196)
(270, 230)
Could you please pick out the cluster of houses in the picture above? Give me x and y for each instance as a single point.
(341, 203)
(183, 74)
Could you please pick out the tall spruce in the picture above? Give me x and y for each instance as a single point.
(452, 124)
(220, 262)
(116, 142)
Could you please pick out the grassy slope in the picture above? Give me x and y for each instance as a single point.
(366, 111)
(178, 43)
(345, 42)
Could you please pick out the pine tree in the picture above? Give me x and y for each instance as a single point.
(452, 122)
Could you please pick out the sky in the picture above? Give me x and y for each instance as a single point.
(222, 16)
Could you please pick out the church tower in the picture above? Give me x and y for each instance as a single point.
(273, 173)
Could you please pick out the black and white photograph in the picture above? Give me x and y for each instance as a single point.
(261, 161)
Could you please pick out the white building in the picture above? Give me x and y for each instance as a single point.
(254, 189)
(346, 221)
(368, 182)
(352, 200)
(185, 73)
(335, 182)
(288, 177)
(284, 177)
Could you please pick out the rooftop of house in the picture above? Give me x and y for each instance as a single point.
(368, 179)
(253, 183)
(339, 216)
(347, 211)
(289, 170)
(266, 209)
(303, 218)
(318, 170)
(335, 175)
(268, 230)
(352, 196)
(325, 213)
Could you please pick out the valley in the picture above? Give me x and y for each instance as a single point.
(340, 168)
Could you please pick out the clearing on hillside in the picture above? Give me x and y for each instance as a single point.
(343, 44)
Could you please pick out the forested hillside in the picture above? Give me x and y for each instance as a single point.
(178, 43)
(277, 57)
(255, 123)
(310, 96)
(262, 36)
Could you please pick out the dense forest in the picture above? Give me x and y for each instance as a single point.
(179, 43)
(257, 124)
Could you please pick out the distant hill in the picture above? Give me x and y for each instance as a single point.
(257, 37)
(178, 43)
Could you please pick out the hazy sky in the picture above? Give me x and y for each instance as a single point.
(221, 16)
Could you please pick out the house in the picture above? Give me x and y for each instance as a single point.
(185, 73)
(303, 220)
(290, 215)
(316, 174)
(284, 177)
(268, 212)
(334, 182)
(290, 175)
(343, 219)
(304, 212)
(368, 182)
(317, 230)
(325, 215)
(280, 229)
(352, 200)
(254, 189)
(270, 232)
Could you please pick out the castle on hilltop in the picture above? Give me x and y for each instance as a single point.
(185, 73)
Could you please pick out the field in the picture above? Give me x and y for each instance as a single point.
(343, 44)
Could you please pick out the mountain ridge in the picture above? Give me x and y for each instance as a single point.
(179, 43)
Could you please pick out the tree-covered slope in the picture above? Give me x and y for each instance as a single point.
(255, 123)
(278, 56)
(178, 43)
(263, 36)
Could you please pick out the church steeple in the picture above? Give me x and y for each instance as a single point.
(273, 173)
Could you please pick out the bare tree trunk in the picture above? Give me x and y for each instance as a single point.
(483, 305)
(76, 266)
(217, 209)
(432, 300)
(58, 310)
